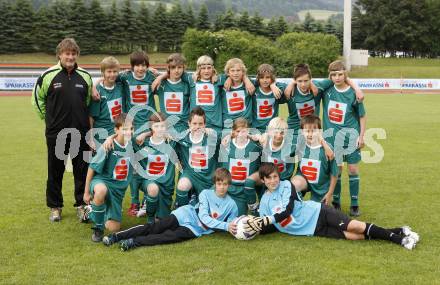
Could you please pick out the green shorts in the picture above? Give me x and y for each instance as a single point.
(237, 194)
(198, 185)
(351, 158)
(113, 200)
(165, 197)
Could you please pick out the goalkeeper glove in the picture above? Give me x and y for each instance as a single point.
(257, 223)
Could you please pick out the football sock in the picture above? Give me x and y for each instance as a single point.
(337, 192)
(397, 231)
(181, 197)
(97, 215)
(249, 190)
(354, 189)
(152, 203)
(134, 190)
(374, 232)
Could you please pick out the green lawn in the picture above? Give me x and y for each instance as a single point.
(397, 68)
(83, 59)
(402, 189)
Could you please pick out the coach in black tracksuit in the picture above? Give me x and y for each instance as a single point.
(61, 96)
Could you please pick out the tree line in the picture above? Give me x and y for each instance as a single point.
(123, 28)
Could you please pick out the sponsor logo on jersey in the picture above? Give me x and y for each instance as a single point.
(310, 169)
(239, 169)
(157, 164)
(198, 157)
(205, 94)
(336, 112)
(120, 172)
(114, 108)
(139, 94)
(235, 101)
(305, 108)
(79, 85)
(281, 165)
(173, 102)
(265, 108)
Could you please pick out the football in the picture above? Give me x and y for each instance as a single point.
(241, 234)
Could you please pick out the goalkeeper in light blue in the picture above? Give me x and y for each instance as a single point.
(215, 211)
(281, 209)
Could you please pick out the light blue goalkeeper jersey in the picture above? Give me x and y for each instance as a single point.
(211, 213)
(300, 221)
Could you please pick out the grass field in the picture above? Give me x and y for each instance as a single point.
(397, 68)
(402, 189)
(83, 59)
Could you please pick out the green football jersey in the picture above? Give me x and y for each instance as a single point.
(198, 158)
(301, 105)
(114, 167)
(174, 102)
(316, 169)
(138, 93)
(158, 162)
(108, 108)
(341, 112)
(206, 95)
(236, 103)
(266, 106)
(240, 161)
(283, 157)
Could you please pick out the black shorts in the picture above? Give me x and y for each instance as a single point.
(331, 223)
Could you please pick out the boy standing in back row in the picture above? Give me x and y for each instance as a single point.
(346, 117)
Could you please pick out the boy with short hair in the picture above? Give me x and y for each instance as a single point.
(315, 173)
(174, 94)
(198, 154)
(281, 209)
(215, 211)
(107, 180)
(158, 169)
(103, 113)
(343, 113)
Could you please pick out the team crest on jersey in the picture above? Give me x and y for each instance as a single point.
(173, 102)
(235, 101)
(287, 221)
(120, 171)
(157, 164)
(239, 169)
(281, 165)
(336, 112)
(198, 157)
(139, 94)
(214, 214)
(310, 169)
(205, 94)
(265, 108)
(305, 108)
(114, 108)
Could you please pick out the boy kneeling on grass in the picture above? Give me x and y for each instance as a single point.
(281, 209)
(216, 211)
(108, 177)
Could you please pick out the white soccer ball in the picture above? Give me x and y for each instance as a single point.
(241, 234)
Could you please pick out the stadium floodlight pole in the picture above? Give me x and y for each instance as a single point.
(347, 33)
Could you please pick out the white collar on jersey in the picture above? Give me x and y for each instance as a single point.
(272, 149)
(174, 82)
(313, 147)
(264, 93)
(121, 146)
(107, 88)
(238, 86)
(196, 142)
(141, 78)
(342, 90)
(156, 143)
(234, 141)
(300, 92)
